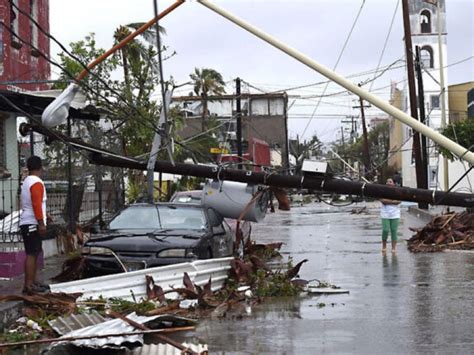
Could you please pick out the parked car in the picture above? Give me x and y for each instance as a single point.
(195, 196)
(146, 235)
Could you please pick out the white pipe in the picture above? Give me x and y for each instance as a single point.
(455, 148)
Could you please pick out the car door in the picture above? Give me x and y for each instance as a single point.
(221, 236)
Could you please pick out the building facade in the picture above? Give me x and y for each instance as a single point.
(23, 67)
(264, 117)
(427, 23)
(24, 46)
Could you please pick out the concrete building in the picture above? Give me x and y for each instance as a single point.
(264, 116)
(424, 20)
(23, 46)
(424, 27)
(458, 98)
(22, 68)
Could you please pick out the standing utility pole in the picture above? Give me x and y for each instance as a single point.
(412, 91)
(366, 139)
(421, 100)
(239, 122)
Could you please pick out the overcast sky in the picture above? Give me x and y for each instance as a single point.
(318, 28)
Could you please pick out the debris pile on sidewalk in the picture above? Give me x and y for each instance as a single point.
(447, 231)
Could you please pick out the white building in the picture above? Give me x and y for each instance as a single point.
(426, 23)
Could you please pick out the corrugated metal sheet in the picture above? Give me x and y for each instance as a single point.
(63, 325)
(113, 326)
(125, 285)
(166, 349)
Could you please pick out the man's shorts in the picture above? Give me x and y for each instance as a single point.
(31, 239)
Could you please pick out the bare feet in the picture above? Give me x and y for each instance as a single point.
(394, 251)
(384, 251)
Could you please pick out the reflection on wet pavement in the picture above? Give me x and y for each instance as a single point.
(401, 303)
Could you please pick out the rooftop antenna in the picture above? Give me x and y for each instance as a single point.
(57, 111)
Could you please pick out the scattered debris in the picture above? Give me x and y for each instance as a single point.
(167, 349)
(447, 231)
(360, 210)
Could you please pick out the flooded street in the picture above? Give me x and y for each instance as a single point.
(400, 303)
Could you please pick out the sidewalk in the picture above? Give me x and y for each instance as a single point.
(10, 311)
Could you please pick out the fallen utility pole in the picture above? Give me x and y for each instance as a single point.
(323, 184)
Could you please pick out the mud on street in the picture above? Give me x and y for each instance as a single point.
(401, 303)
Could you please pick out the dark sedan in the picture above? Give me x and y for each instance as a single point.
(149, 235)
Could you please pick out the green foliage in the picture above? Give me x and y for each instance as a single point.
(125, 307)
(461, 132)
(277, 285)
(19, 335)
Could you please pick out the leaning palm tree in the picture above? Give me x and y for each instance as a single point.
(207, 82)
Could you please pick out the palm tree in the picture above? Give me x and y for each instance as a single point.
(134, 51)
(207, 82)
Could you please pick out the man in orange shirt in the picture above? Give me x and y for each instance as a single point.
(33, 222)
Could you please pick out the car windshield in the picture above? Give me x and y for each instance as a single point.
(147, 218)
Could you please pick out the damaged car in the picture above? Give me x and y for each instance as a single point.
(147, 235)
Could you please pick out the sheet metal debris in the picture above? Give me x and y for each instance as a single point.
(113, 326)
(132, 286)
(166, 349)
(64, 325)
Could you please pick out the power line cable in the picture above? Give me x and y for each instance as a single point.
(386, 42)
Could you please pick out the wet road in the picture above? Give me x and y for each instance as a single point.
(404, 303)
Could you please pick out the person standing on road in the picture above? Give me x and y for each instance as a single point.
(390, 214)
(33, 222)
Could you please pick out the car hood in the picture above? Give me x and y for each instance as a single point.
(149, 242)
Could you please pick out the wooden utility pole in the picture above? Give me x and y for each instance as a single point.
(239, 122)
(421, 100)
(321, 184)
(412, 92)
(366, 138)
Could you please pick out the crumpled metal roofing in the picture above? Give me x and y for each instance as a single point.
(167, 349)
(113, 326)
(93, 323)
(132, 285)
(64, 325)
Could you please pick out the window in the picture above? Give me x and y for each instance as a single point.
(426, 57)
(14, 24)
(433, 175)
(434, 100)
(425, 21)
(33, 28)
